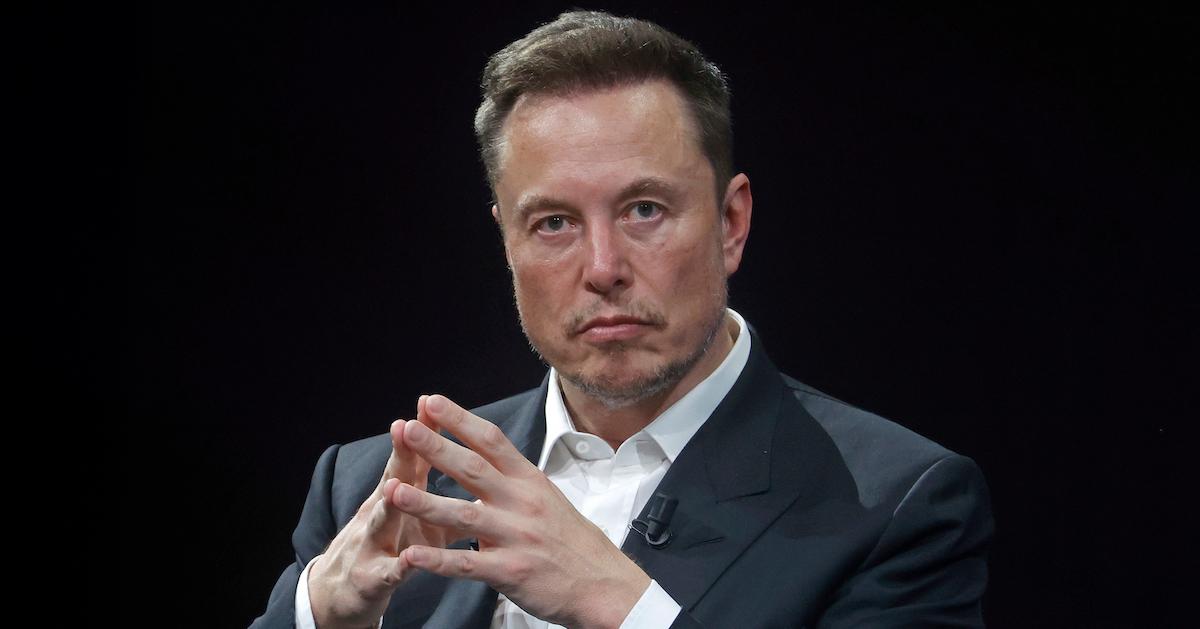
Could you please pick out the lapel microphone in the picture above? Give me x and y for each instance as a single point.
(658, 518)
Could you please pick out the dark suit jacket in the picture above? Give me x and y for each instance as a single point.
(795, 510)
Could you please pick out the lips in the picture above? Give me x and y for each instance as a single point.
(613, 328)
(604, 322)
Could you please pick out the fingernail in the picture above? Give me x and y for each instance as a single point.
(389, 489)
(435, 403)
(398, 495)
(416, 553)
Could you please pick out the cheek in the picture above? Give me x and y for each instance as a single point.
(695, 265)
(535, 288)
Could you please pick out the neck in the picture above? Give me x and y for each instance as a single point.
(615, 425)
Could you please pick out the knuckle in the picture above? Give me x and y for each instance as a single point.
(388, 576)
(467, 563)
(518, 571)
(530, 536)
(474, 466)
(492, 437)
(467, 515)
(534, 507)
(532, 474)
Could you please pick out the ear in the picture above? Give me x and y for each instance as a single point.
(735, 221)
(500, 226)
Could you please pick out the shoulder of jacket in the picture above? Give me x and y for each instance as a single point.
(884, 457)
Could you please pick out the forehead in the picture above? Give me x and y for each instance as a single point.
(601, 137)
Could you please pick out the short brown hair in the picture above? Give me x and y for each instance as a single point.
(591, 49)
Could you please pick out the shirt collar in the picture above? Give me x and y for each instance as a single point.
(672, 429)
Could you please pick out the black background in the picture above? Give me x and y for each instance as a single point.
(968, 218)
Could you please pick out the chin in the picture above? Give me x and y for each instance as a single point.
(619, 393)
(635, 384)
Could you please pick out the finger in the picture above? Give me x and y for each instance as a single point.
(400, 464)
(421, 466)
(399, 568)
(422, 415)
(471, 470)
(380, 576)
(385, 521)
(459, 518)
(478, 434)
(464, 564)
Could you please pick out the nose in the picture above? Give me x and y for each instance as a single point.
(607, 267)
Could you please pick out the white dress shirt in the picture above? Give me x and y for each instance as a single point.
(610, 487)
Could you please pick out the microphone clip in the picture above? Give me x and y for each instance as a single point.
(658, 518)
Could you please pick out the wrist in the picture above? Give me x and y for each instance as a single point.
(611, 604)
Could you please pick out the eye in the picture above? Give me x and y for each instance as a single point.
(645, 211)
(552, 224)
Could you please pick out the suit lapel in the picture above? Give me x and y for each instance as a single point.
(471, 604)
(739, 473)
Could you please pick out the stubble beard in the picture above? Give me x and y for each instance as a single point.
(616, 394)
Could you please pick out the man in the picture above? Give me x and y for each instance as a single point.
(607, 144)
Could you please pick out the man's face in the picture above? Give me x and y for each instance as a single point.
(618, 252)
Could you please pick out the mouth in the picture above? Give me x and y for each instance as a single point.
(613, 328)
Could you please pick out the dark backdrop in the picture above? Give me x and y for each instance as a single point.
(969, 219)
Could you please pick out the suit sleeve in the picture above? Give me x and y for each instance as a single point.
(929, 568)
(313, 533)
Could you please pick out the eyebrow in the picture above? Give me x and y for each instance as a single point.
(652, 185)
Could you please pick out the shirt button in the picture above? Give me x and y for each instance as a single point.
(582, 447)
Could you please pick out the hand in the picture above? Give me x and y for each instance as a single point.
(534, 546)
(350, 584)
